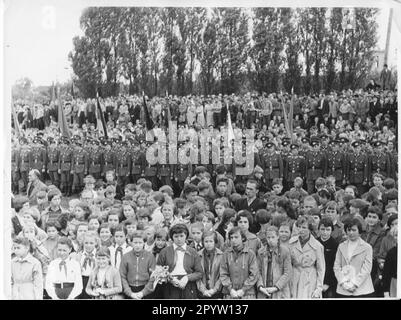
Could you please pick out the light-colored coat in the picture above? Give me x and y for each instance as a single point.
(26, 278)
(308, 268)
(361, 260)
(281, 268)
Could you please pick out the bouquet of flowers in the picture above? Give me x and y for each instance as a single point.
(160, 275)
(349, 274)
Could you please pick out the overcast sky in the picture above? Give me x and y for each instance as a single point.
(38, 33)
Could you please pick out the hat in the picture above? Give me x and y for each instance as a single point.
(263, 138)
(355, 144)
(344, 140)
(94, 141)
(285, 143)
(314, 143)
(377, 143)
(50, 139)
(23, 140)
(305, 140)
(270, 145)
(358, 203)
(293, 146)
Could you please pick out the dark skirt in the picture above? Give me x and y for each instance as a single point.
(189, 292)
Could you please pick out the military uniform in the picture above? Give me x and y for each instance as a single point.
(272, 165)
(37, 158)
(393, 157)
(357, 169)
(123, 165)
(52, 160)
(151, 173)
(379, 162)
(15, 174)
(336, 165)
(96, 161)
(64, 166)
(294, 166)
(138, 161)
(109, 161)
(24, 158)
(181, 171)
(79, 168)
(316, 163)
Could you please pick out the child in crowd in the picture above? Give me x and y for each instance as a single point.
(94, 223)
(330, 249)
(209, 285)
(149, 236)
(26, 272)
(244, 220)
(274, 261)
(196, 231)
(285, 231)
(104, 281)
(51, 242)
(120, 247)
(239, 269)
(86, 259)
(105, 235)
(63, 280)
(183, 264)
(136, 267)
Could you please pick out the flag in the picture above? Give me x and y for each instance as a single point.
(291, 115)
(72, 90)
(286, 120)
(53, 94)
(16, 123)
(62, 122)
(230, 131)
(148, 121)
(101, 123)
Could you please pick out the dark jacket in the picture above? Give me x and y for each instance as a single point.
(135, 271)
(192, 263)
(330, 250)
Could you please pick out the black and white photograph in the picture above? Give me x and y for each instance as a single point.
(200, 150)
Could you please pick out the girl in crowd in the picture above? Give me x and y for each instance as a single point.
(353, 263)
(308, 262)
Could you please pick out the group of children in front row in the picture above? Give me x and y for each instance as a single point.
(118, 260)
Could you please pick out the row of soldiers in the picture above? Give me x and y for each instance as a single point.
(66, 162)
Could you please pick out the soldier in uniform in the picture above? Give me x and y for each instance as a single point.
(138, 161)
(294, 166)
(305, 147)
(379, 162)
(95, 160)
(15, 162)
(64, 166)
(165, 171)
(182, 171)
(37, 157)
(272, 164)
(357, 168)
(109, 157)
(79, 166)
(336, 163)
(52, 160)
(24, 158)
(123, 164)
(150, 171)
(316, 163)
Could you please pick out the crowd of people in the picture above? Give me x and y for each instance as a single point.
(94, 217)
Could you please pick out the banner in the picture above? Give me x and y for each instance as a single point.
(62, 122)
(101, 123)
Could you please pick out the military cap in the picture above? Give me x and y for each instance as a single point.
(263, 138)
(285, 143)
(305, 140)
(94, 141)
(355, 144)
(23, 140)
(377, 143)
(270, 145)
(293, 146)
